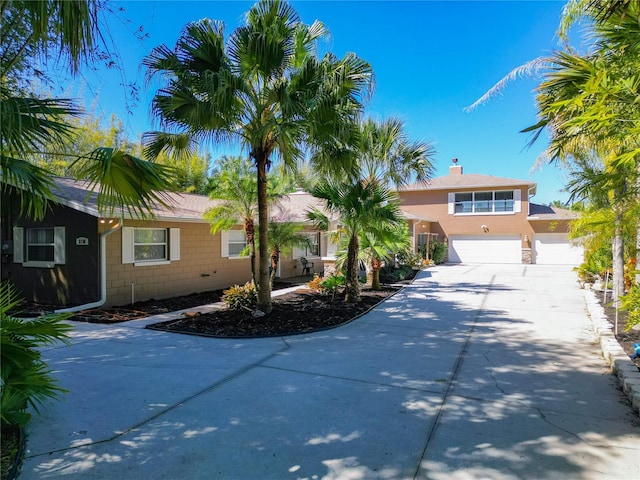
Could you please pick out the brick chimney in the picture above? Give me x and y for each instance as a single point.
(455, 169)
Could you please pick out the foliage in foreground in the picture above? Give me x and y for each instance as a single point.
(26, 378)
(631, 303)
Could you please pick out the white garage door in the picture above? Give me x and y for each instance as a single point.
(556, 249)
(485, 249)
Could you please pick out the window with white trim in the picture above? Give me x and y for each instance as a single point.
(39, 246)
(233, 243)
(311, 248)
(150, 246)
(484, 202)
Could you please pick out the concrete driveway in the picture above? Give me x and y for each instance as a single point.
(472, 372)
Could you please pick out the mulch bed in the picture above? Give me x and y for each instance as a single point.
(303, 311)
(625, 338)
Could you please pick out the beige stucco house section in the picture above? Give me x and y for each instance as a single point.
(199, 267)
(504, 233)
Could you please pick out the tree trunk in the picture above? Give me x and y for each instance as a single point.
(275, 259)
(352, 287)
(250, 233)
(637, 265)
(376, 265)
(618, 260)
(264, 288)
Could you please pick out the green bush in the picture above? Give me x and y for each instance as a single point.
(390, 274)
(26, 379)
(437, 251)
(241, 297)
(332, 284)
(631, 303)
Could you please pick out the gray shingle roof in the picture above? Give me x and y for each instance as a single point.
(545, 212)
(467, 180)
(182, 206)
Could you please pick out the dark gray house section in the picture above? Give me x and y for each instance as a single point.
(55, 260)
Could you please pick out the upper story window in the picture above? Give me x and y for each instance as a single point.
(485, 202)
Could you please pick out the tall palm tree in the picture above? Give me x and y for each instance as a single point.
(29, 123)
(386, 155)
(358, 206)
(265, 88)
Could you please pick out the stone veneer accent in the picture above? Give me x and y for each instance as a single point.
(527, 256)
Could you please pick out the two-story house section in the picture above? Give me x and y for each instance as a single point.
(487, 219)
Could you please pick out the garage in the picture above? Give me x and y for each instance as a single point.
(485, 249)
(556, 249)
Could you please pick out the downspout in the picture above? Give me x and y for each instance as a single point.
(103, 275)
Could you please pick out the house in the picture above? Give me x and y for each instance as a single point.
(487, 219)
(79, 256)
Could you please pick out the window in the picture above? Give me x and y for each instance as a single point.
(40, 244)
(233, 243)
(39, 247)
(311, 248)
(480, 203)
(150, 246)
(464, 202)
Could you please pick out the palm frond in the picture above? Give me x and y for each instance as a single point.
(125, 182)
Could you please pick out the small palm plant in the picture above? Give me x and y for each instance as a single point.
(26, 378)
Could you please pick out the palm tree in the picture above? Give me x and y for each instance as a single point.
(236, 187)
(29, 123)
(359, 206)
(387, 156)
(283, 237)
(265, 88)
(380, 243)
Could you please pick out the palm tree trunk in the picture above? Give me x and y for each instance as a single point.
(352, 287)
(275, 259)
(375, 274)
(264, 288)
(250, 233)
(618, 260)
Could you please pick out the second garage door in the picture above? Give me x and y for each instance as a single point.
(556, 249)
(485, 249)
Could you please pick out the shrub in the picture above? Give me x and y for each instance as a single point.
(631, 303)
(437, 251)
(332, 284)
(389, 274)
(26, 379)
(316, 283)
(241, 297)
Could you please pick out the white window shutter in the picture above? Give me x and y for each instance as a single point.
(127, 245)
(18, 244)
(174, 244)
(451, 200)
(517, 207)
(59, 251)
(224, 243)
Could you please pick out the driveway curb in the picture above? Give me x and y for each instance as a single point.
(615, 356)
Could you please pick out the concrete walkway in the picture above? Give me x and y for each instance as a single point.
(472, 372)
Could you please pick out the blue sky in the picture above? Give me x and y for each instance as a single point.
(431, 59)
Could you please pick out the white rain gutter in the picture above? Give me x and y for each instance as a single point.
(103, 274)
